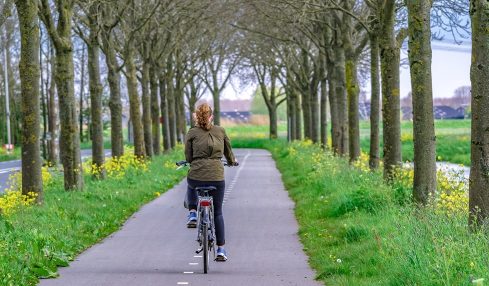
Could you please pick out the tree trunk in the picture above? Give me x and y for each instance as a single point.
(115, 102)
(171, 112)
(341, 99)
(479, 73)
(155, 110)
(298, 119)
(323, 102)
(353, 113)
(82, 89)
(44, 87)
(165, 126)
(306, 113)
(324, 111)
(291, 115)
(314, 106)
(216, 99)
(272, 112)
(53, 114)
(306, 96)
(333, 107)
(146, 101)
(3, 125)
(135, 105)
(29, 74)
(97, 128)
(181, 120)
(374, 103)
(192, 101)
(69, 137)
(424, 183)
(390, 62)
(15, 109)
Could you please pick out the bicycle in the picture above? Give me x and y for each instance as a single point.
(205, 222)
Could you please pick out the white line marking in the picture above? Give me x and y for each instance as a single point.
(182, 283)
(198, 256)
(188, 272)
(193, 263)
(3, 171)
(236, 176)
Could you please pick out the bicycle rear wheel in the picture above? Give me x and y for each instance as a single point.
(205, 248)
(205, 238)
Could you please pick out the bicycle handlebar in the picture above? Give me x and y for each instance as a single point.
(184, 163)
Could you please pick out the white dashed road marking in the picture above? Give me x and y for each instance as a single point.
(235, 179)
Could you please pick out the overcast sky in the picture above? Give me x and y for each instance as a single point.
(450, 68)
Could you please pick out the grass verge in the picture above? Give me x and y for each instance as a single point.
(37, 240)
(452, 138)
(357, 230)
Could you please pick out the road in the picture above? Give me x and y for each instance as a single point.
(8, 167)
(154, 247)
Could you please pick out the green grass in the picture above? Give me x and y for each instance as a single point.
(88, 144)
(35, 241)
(452, 140)
(356, 232)
(15, 155)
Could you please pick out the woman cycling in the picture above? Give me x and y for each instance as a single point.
(205, 145)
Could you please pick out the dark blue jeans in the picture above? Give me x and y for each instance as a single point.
(217, 198)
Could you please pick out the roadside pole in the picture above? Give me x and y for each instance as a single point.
(7, 102)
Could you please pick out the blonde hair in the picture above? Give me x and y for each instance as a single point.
(202, 115)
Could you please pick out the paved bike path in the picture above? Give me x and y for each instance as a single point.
(155, 248)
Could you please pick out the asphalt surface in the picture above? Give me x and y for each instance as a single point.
(154, 247)
(9, 167)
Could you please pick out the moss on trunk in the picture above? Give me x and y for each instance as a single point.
(479, 74)
(29, 74)
(146, 102)
(97, 128)
(165, 126)
(155, 110)
(135, 105)
(391, 105)
(115, 102)
(423, 121)
(374, 103)
(353, 91)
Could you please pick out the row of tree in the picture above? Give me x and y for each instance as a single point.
(309, 55)
(165, 54)
(319, 51)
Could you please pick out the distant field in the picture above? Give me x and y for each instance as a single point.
(452, 138)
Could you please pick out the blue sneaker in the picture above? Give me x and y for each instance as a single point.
(192, 220)
(221, 254)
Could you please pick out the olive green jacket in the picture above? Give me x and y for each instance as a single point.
(204, 150)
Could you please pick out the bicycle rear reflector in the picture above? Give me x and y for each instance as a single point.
(205, 203)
